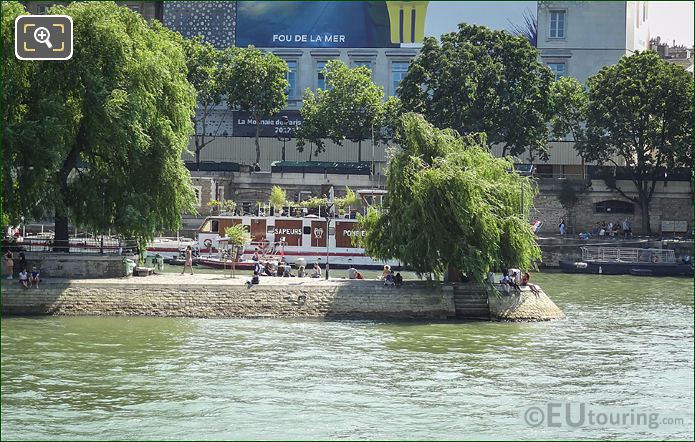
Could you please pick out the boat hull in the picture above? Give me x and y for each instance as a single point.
(626, 268)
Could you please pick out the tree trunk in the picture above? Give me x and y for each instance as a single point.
(258, 145)
(359, 151)
(452, 274)
(197, 155)
(644, 206)
(62, 235)
(61, 238)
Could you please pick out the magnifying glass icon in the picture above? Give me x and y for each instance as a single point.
(42, 35)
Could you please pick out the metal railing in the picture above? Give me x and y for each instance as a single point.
(105, 245)
(628, 254)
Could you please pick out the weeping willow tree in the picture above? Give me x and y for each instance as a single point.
(451, 206)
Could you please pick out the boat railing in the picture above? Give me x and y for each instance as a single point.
(628, 254)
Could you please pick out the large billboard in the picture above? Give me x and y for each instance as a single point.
(330, 24)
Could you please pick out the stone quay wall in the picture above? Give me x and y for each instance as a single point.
(216, 298)
(370, 300)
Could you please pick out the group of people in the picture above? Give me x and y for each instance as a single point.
(27, 279)
(514, 279)
(612, 229)
(603, 229)
(390, 279)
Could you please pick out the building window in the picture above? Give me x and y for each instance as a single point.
(398, 71)
(614, 206)
(42, 10)
(320, 76)
(559, 69)
(198, 190)
(291, 78)
(557, 24)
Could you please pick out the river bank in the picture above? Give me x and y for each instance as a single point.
(217, 295)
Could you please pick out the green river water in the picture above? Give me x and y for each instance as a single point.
(626, 348)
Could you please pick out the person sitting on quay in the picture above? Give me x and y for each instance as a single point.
(287, 271)
(24, 278)
(268, 269)
(34, 277)
(317, 271)
(514, 278)
(506, 283)
(525, 283)
(254, 280)
(352, 273)
(301, 272)
(386, 272)
(398, 279)
(389, 280)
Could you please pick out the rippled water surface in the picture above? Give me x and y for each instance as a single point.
(627, 345)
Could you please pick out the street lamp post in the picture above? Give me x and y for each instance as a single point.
(284, 133)
(103, 213)
(329, 214)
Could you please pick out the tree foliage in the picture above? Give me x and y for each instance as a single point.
(640, 111)
(100, 137)
(451, 204)
(237, 235)
(16, 97)
(205, 74)
(255, 82)
(528, 29)
(350, 108)
(479, 80)
(278, 197)
(568, 195)
(569, 102)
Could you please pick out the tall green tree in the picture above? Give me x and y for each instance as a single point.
(314, 125)
(479, 80)
(16, 80)
(640, 111)
(350, 108)
(569, 102)
(101, 139)
(205, 63)
(451, 206)
(256, 83)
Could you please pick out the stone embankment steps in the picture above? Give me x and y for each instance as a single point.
(471, 304)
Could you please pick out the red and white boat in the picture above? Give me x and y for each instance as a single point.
(288, 238)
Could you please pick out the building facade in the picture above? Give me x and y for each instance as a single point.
(577, 39)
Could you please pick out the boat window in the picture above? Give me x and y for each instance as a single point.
(614, 206)
(206, 226)
(215, 226)
(307, 230)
